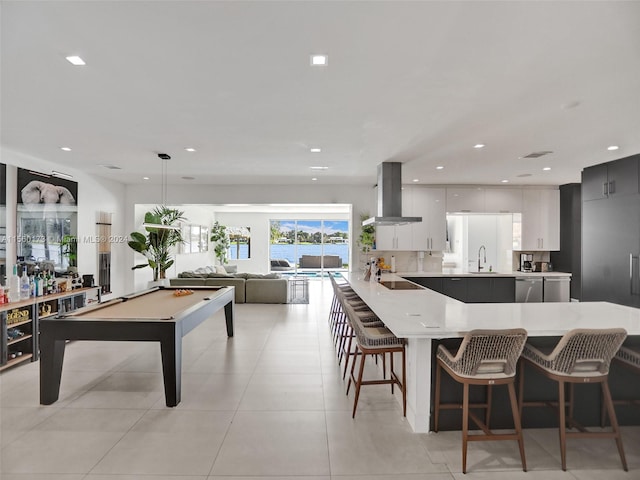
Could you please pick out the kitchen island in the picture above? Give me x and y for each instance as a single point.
(423, 316)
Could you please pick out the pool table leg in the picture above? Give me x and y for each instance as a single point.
(228, 313)
(51, 356)
(171, 350)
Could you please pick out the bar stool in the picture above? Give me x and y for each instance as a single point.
(630, 358)
(376, 341)
(581, 356)
(485, 357)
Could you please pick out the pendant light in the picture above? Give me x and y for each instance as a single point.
(164, 157)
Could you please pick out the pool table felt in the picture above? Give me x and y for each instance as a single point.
(159, 305)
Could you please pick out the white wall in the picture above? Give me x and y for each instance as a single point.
(361, 197)
(94, 194)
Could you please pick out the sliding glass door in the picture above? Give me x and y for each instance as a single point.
(309, 247)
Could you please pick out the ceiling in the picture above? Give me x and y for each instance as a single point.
(416, 82)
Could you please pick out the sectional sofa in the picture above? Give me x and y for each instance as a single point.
(249, 287)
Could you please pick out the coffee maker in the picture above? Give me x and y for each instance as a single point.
(526, 262)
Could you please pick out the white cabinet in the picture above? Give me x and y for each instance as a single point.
(540, 220)
(466, 200)
(428, 235)
(397, 237)
(503, 200)
(430, 204)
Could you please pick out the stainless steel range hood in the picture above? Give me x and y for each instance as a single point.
(390, 197)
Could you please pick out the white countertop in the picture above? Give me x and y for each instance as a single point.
(483, 274)
(427, 314)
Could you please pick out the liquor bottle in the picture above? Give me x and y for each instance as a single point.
(25, 289)
(1, 294)
(14, 286)
(39, 285)
(32, 286)
(50, 283)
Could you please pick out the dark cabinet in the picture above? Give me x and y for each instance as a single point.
(455, 287)
(569, 257)
(503, 290)
(471, 289)
(611, 179)
(432, 283)
(610, 250)
(479, 290)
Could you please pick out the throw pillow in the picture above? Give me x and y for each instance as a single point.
(220, 269)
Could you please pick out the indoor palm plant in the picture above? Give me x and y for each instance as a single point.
(156, 243)
(220, 239)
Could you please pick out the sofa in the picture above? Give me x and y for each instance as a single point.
(249, 287)
(316, 261)
(280, 265)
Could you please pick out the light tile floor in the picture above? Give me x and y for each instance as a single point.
(268, 404)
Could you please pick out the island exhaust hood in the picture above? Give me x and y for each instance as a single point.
(390, 197)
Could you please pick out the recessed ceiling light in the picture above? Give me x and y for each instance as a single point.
(315, 150)
(439, 167)
(478, 145)
(314, 179)
(75, 60)
(416, 179)
(190, 149)
(613, 147)
(319, 60)
(145, 178)
(546, 169)
(319, 168)
(66, 149)
(504, 181)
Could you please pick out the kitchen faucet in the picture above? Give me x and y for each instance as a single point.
(485, 256)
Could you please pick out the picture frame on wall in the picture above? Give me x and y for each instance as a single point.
(46, 221)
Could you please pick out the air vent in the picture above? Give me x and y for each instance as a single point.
(539, 154)
(522, 175)
(111, 167)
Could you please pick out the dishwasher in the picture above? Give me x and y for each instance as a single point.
(528, 289)
(557, 289)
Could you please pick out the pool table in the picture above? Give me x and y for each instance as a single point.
(154, 315)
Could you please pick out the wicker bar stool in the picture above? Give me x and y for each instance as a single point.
(485, 357)
(369, 320)
(581, 356)
(630, 358)
(337, 317)
(376, 341)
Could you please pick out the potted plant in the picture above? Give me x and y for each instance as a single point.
(367, 237)
(220, 239)
(156, 244)
(69, 245)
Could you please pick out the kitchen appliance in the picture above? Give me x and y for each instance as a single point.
(87, 280)
(390, 197)
(526, 262)
(557, 289)
(401, 285)
(528, 289)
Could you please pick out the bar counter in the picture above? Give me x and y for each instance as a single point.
(422, 316)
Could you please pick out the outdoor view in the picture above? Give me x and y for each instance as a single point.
(309, 246)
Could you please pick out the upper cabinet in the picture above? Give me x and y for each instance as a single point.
(503, 200)
(484, 200)
(611, 179)
(430, 204)
(397, 237)
(428, 235)
(540, 227)
(465, 200)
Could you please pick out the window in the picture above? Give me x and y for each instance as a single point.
(239, 243)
